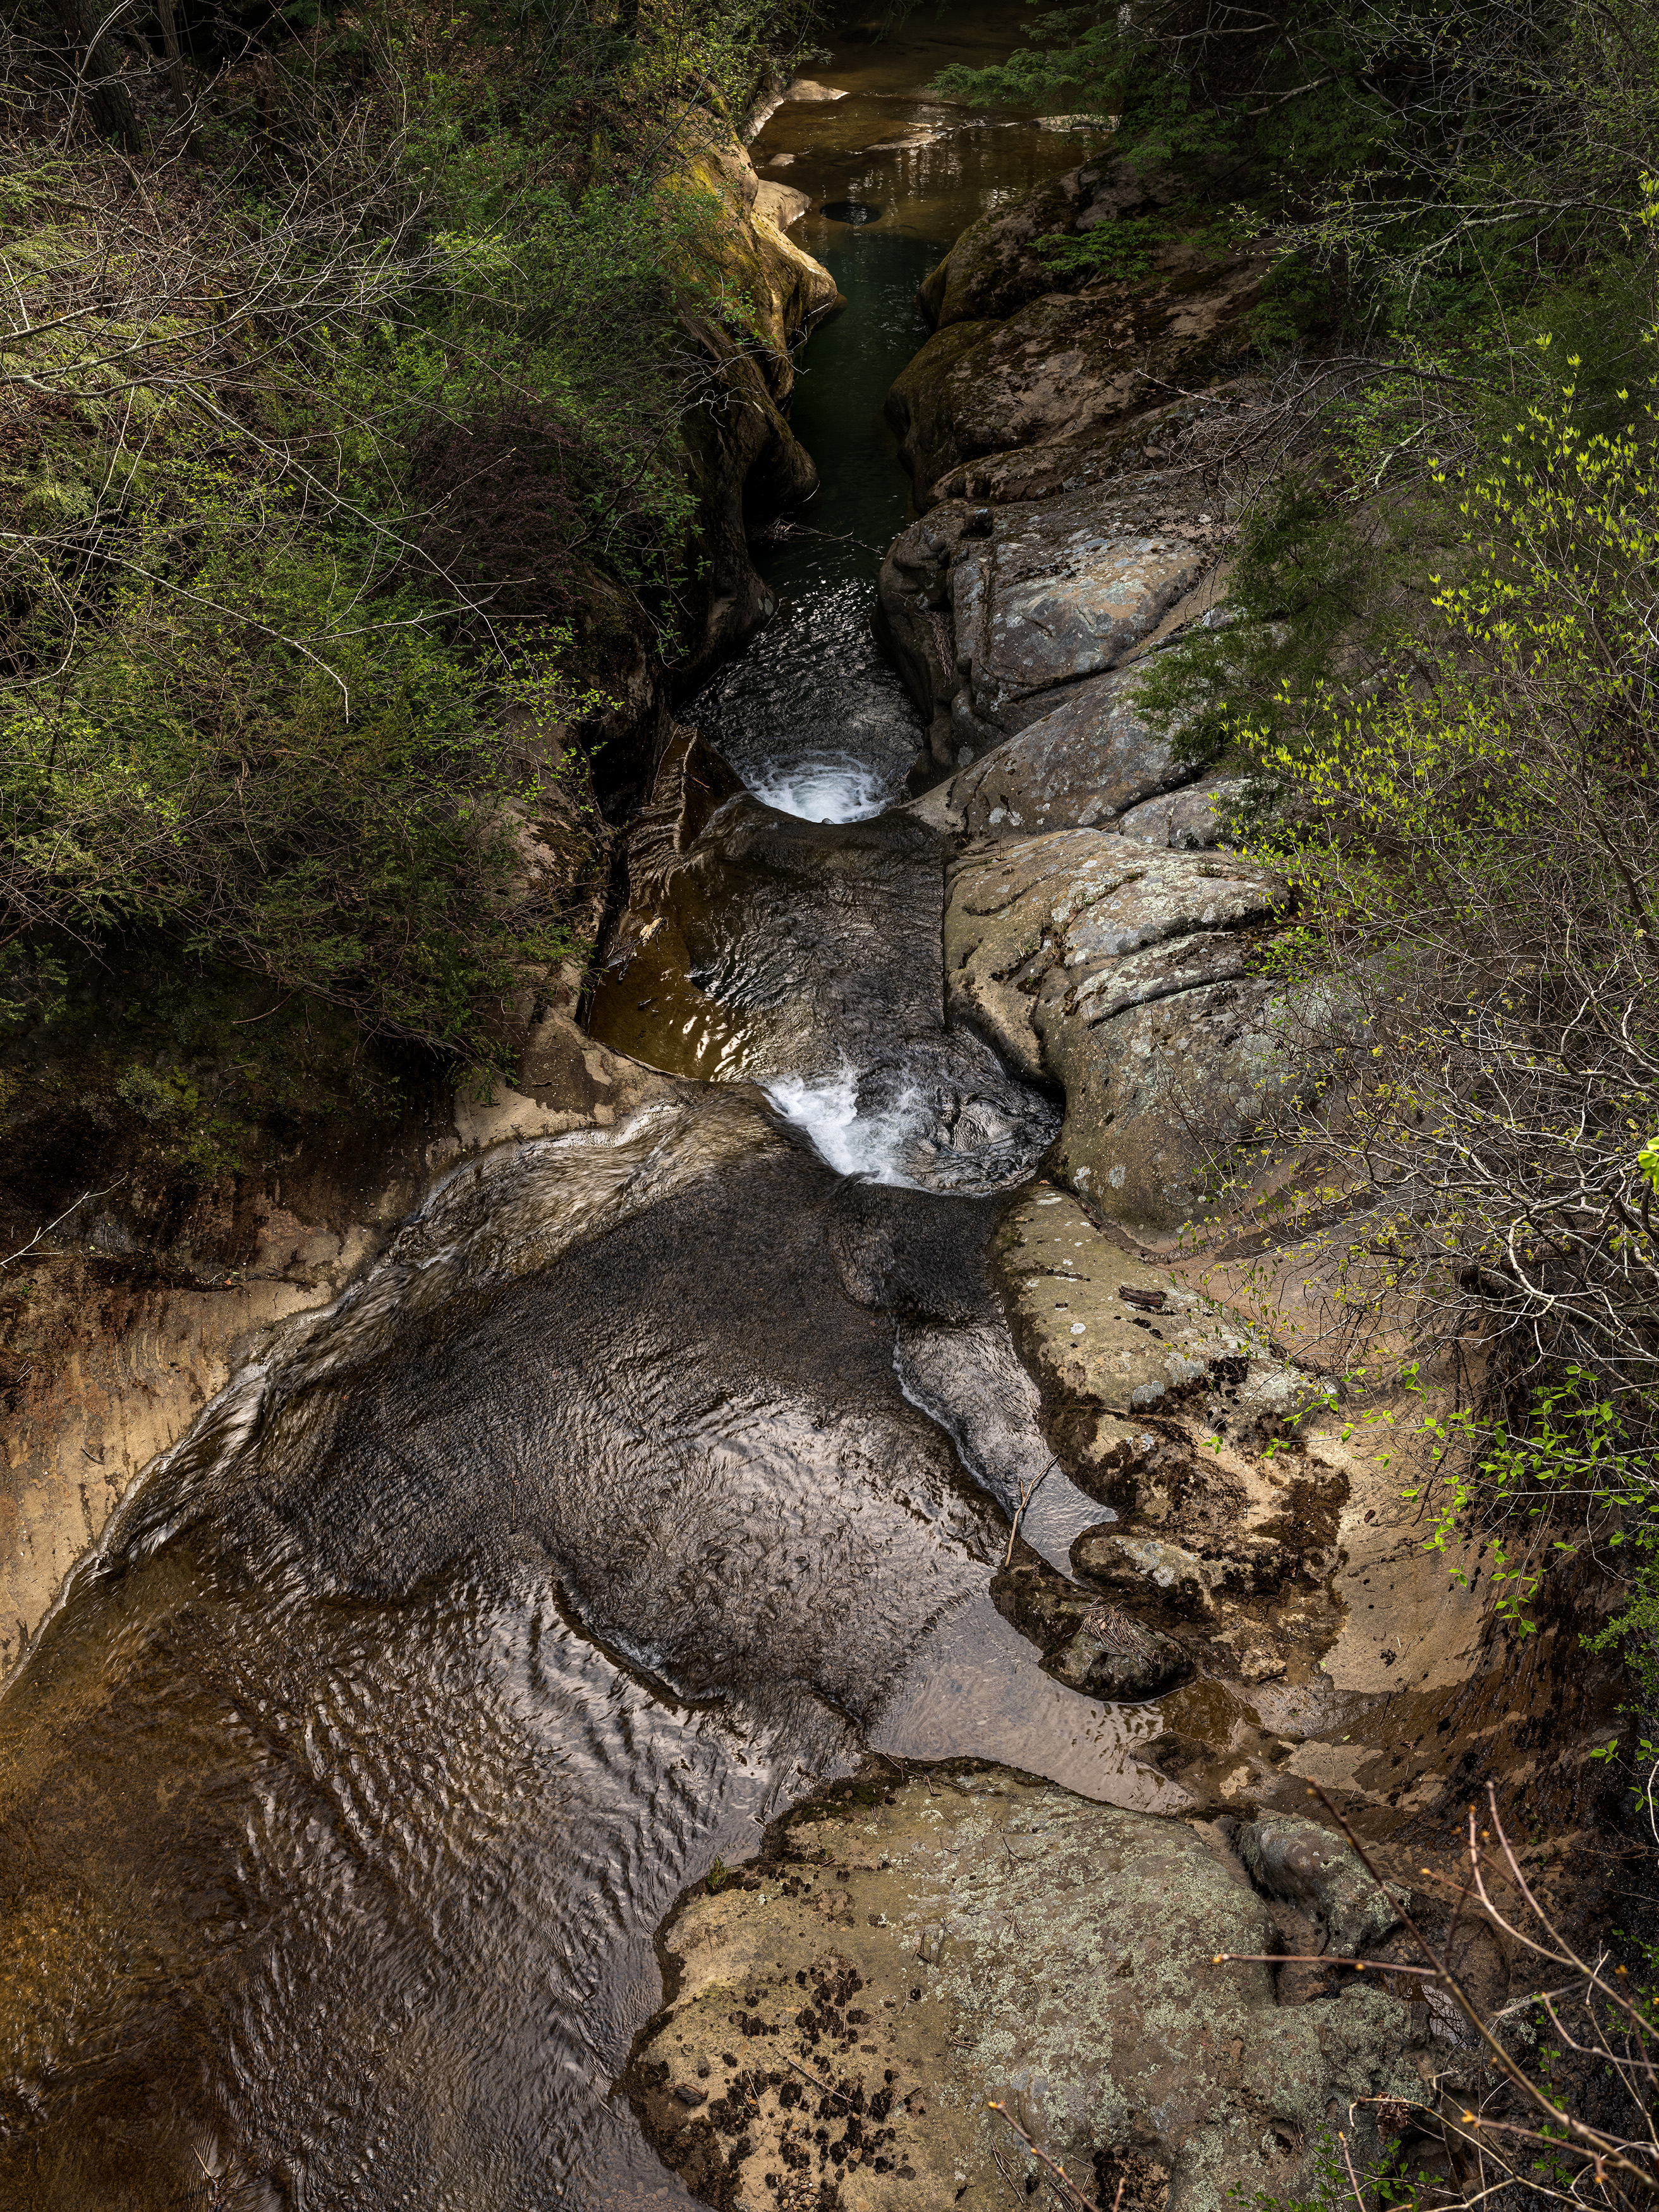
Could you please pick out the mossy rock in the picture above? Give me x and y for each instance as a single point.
(994, 268)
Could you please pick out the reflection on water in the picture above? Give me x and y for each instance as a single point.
(815, 690)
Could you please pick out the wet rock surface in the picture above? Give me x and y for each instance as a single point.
(758, 945)
(842, 2016)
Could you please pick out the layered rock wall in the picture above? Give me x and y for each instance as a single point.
(1091, 930)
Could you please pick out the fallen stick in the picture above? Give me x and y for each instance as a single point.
(1319, 1959)
(1060, 2180)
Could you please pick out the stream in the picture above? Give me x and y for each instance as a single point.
(652, 1478)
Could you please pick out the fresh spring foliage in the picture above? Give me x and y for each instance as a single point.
(1472, 983)
(340, 425)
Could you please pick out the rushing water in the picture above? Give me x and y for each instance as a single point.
(652, 1476)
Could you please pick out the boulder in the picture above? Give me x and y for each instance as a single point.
(1310, 1866)
(845, 2013)
(1090, 759)
(1070, 365)
(1189, 821)
(1176, 434)
(1113, 1657)
(993, 269)
(1089, 1645)
(1124, 976)
(993, 612)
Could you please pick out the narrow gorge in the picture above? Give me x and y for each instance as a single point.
(743, 1619)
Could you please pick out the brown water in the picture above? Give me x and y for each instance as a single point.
(653, 1477)
(930, 166)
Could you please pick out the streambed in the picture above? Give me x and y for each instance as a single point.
(653, 1477)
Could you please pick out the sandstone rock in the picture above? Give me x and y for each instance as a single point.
(780, 205)
(1159, 1098)
(1090, 759)
(1188, 821)
(1124, 976)
(1058, 595)
(1069, 365)
(1167, 438)
(745, 462)
(1008, 1941)
(1065, 1281)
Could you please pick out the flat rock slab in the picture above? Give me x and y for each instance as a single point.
(1064, 1279)
(904, 1961)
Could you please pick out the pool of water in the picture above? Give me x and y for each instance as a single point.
(813, 716)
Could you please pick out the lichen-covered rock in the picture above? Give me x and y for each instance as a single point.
(1124, 974)
(1069, 366)
(1059, 594)
(1189, 821)
(1091, 759)
(844, 2023)
(992, 268)
(1174, 434)
(994, 613)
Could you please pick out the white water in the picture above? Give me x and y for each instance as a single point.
(824, 788)
(826, 1108)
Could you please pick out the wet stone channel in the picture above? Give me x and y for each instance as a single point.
(654, 1478)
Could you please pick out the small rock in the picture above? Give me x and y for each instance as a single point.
(1111, 1656)
(1143, 1566)
(1297, 1859)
